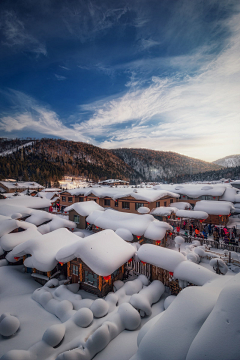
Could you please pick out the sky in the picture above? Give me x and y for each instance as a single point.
(156, 74)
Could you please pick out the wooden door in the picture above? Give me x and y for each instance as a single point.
(75, 273)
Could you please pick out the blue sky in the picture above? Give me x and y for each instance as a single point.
(163, 75)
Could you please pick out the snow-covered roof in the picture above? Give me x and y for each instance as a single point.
(103, 252)
(21, 184)
(43, 249)
(110, 181)
(9, 210)
(137, 224)
(231, 194)
(26, 201)
(193, 273)
(85, 208)
(7, 226)
(164, 211)
(192, 214)
(56, 223)
(48, 195)
(159, 256)
(51, 190)
(9, 241)
(194, 190)
(181, 205)
(38, 217)
(141, 194)
(214, 207)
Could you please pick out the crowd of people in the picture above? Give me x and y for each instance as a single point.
(217, 233)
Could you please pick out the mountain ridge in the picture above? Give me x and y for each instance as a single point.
(229, 161)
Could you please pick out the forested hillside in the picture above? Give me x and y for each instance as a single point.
(48, 160)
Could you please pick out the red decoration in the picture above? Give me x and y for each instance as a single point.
(170, 273)
(138, 237)
(170, 234)
(61, 263)
(168, 216)
(107, 278)
(214, 197)
(220, 215)
(87, 223)
(158, 242)
(130, 260)
(16, 258)
(201, 221)
(143, 262)
(97, 227)
(178, 218)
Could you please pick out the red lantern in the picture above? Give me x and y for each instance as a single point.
(158, 242)
(96, 227)
(130, 260)
(170, 234)
(143, 262)
(178, 218)
(220, 215)
(16, 258)
(61, 263)
(107, 278)
(168, 216)
(201, 221)
(138, 237)
(214, 197)
(87, 223)
(170, 273)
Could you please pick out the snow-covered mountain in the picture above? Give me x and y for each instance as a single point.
(229, 161)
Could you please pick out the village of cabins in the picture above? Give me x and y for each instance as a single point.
(97, 235)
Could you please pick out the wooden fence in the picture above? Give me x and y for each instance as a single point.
(212, 243)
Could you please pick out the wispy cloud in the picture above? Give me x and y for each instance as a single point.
(27, 114)
(16, 35)
(197, 115)
(60, 77)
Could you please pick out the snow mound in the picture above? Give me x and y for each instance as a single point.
(132, 287)
(199, 251)
(125, 234)
(16, 216)
(143, 210)
(19, 355)
(54, 335)
(168, 301)
(179, 240)
(9, 324)
(99, 308)
(146, 297)
(83, 317)
(193, 257)
(129, 316)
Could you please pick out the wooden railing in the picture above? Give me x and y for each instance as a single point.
(212, 243)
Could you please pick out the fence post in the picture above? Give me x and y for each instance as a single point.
(229, 257)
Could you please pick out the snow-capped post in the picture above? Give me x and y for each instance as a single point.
(178, 241)
(219, 266)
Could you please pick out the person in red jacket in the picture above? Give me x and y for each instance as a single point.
(50, 209)
(178, 229)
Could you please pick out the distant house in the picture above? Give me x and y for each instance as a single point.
(96, 262)
(113, 182)
(122, 199)
(19, 186)
(218, 212)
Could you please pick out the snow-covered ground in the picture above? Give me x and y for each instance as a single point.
(8, 152)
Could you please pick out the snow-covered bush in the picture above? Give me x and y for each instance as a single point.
(219, 265)
(99, 308)
(192, 256)
(54, 335)
(179, 240)
(83, 317)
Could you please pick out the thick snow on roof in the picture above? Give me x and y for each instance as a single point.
(43, 249)
(233, 222)
(56, 223)
(6, 226)
(214, 207)
(142, 194)
(9, 210)
(125, 234)
(103, 252)
(85, 208)
(137, 224)
(21, 184)
(26, 201)
(39, 217)
(159, 256)
(192, 214)
(194, 273)
(47, 195)
(156, 230)
(181, 205)
(9, 241)
(194, 190)
(231, 194)
(51, 190)
(164, 210)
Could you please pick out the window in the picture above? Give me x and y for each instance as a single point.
(171, 201)
(76, 219)
(75, 270)
(63, 198)
(116, 203)
(91, 278)
(158, 204)
(80, 198)
(206, 197)
(115, 274)
(70, 199)
(165, 203)
(107, 202)
(125, 205)
(138, 205)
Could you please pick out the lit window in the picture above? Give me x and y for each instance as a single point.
(91, 278)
